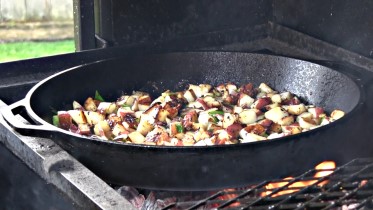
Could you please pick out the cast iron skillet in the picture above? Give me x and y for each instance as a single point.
(190, 168)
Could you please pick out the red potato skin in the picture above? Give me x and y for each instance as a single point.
(203, 103)
(65, 120)
(319, 111)
(173, 107)
(234, 130)
(145, 100)
(189, 119)
(266, 123)
(262, 102)
(292, 101)
(255, 129)
(248, 89)
(130, 120)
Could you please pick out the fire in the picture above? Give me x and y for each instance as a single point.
(327, 168)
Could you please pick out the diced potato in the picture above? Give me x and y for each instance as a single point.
(76, 105)
(153, 110)
(144, 99)
(130, 100)
(276, 98)
(160, 100)
(204, 118)
(93, 117)
(306, 123)
(337, 114)
(136, 137)
(211, 102)
(275, 128)
(247, 116)
(261, 95)
(205, 88)
(325, 121)
(145, 125)
(231, 88)
(135, 105)
(296, 109)
(196, 90)
(291, 129)
(245, 101)
(104, 125)
(119, 129)
(78, 116)
(286, 120)
(124, 110)
(228, 120)
(162, 115)
(250, 137)
(174, 128)
(275, 135)
(84, 129)
(237, 109)
(316, 111)
(271, 106)
(260, 103)
(286, 96)
(188, 139)
(138, 114)
(265, 88)
(143, 107)
(65, 120)
(276, 114)
(90, 105)
(107, 107)
(305, 115)
(190, 96)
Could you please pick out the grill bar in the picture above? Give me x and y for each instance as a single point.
(61, 170)
(349, 186)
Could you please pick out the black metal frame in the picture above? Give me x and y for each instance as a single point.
(84, 24)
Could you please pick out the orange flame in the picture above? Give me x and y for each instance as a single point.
(228, 196)
(327, 167)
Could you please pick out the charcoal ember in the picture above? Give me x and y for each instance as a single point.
(132, 195)
(173, 200)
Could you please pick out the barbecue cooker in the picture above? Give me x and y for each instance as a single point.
(332, 34)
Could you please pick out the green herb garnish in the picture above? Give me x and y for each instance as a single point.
(98, 97)
(216, 120)
(56, 120)
(212, 113)
(179, 128)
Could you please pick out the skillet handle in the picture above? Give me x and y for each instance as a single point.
(7, 113)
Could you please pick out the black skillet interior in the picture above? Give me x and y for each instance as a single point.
(195, 168)
(156, 73)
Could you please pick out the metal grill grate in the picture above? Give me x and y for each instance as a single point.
(348, 187)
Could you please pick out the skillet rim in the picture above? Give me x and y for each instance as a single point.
(109, 143)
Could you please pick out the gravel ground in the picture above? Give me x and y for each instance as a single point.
(36, 31)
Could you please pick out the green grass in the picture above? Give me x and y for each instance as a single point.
(24, 50)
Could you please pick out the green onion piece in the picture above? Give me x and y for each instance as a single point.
(179, 128)
(216, 120)
(98, 97)
(216, 112)
(322, 119)
(56, 120)
(125, 105)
